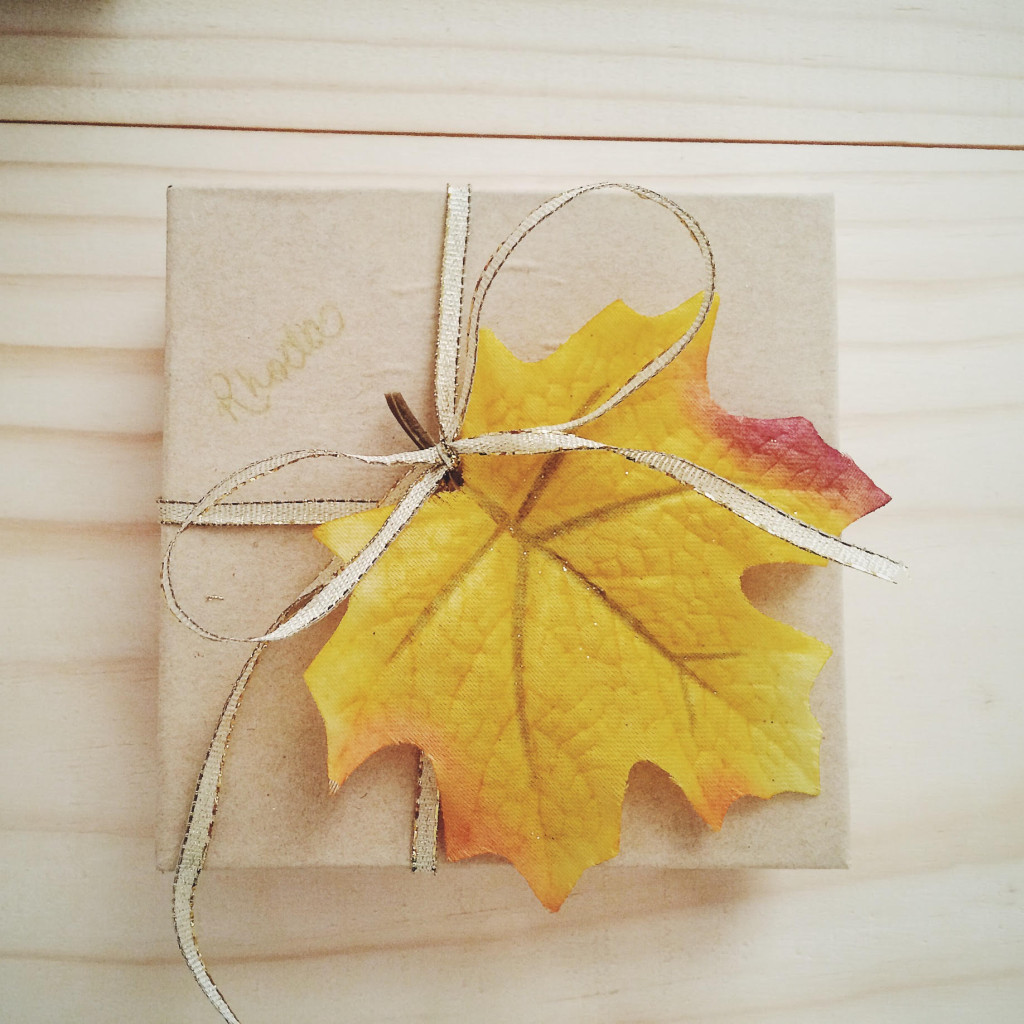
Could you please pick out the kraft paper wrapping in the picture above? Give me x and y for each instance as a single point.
(289, 315)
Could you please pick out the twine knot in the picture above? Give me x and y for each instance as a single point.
(449, 458)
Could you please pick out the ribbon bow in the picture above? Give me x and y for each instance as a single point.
(455, 360)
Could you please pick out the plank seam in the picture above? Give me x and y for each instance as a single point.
(524, 136)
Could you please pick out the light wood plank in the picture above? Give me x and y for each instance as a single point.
(663, 955)
(91, 744)
(92, 390)
(968, 207)
(90, 993)
(793, 70)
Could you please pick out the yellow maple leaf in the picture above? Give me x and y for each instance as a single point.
(559, 618)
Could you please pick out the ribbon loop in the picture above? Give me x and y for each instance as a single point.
(344, 582)
(507, 247)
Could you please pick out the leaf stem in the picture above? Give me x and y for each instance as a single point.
(417, 433)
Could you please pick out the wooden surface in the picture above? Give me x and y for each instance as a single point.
(945, 71)
(928, 924)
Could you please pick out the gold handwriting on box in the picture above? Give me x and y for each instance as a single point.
(242, 392)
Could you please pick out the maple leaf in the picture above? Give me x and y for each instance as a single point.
(559, 618)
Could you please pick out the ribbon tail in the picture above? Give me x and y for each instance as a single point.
(766, 516)
(199, 830)
(196, 842)
(718, 489)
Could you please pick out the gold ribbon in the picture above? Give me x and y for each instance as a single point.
(455, 360)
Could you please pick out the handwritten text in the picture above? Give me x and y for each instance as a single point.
(241, 392)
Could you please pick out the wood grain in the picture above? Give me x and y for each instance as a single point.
(878, 71)
(928, 925)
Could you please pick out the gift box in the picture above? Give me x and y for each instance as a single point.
(290, 315)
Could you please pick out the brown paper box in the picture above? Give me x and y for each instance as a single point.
(252, 277)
